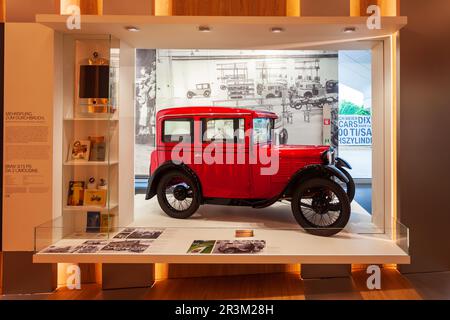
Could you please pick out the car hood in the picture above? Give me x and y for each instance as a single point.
(303, 151)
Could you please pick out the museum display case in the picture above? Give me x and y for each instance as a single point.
(246, 242)
(100, 214)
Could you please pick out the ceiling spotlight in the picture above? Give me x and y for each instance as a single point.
(132, 29)
(204, 29)
(349, 29)
(276, 30)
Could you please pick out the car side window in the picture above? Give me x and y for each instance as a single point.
(262, 130)
(177, 130)
(230, 130)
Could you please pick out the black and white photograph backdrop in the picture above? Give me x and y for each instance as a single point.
(301, 87)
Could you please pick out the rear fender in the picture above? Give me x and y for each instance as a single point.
(164, 168)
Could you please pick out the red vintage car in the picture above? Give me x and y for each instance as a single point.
(228, 156)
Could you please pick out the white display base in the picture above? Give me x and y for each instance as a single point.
(277, 216)
(361, 242)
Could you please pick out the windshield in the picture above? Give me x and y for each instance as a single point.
(262, 130)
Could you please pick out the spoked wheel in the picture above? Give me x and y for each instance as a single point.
(321, 206)
(178, 195)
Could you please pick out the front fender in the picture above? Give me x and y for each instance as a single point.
(333, 170)
(341, 163)
(311, 171)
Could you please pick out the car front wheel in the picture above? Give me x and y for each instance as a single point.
(321, 206)
(178, 195)
(349, 187)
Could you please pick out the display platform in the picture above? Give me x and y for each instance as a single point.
(211, 236)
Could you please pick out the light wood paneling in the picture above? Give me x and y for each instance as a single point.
(272, 286)
(325, 8)
(121, 7)
(26, 10)
(162, 7)
(94, 7)
(91, 7)
(2, 10)
(393, 286)
(364, 4)
(355, 8)
(293, 8)
(88, 273)
(388, 7)
(229, 8)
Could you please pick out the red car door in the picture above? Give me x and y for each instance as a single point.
(264, 162)
(175, 142)
(224, 171)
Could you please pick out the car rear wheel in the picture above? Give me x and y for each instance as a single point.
(178, 195)
(320, 206)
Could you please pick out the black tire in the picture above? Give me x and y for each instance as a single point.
(178, 208)
(270, 96)
(207, 93)
(350, 186)
(318, 190)
(308, 95)
(190, 94)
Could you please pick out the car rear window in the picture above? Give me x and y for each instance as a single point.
(177, 130)
(226, 130)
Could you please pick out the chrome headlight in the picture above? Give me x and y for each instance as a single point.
(330, 157)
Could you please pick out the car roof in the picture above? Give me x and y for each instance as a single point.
(213, 111)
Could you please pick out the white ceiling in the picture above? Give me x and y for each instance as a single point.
(180, 32)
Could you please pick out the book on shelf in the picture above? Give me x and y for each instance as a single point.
(98, 149)
(75, 195)
(106, 223)
(95, 197)
(93, 221)
(79, 150)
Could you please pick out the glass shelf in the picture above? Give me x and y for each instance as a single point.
(90, 208)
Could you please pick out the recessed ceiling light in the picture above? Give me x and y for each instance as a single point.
(349, 29)
(204, 29)
(276, 30)
(132, 29)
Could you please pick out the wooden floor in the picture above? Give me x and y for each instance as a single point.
(272, 286)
